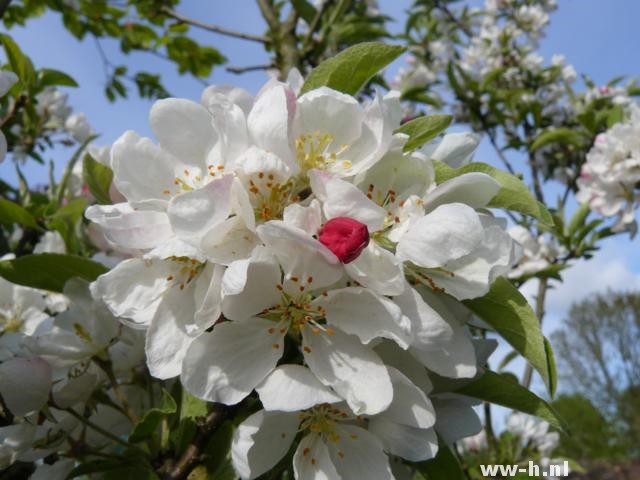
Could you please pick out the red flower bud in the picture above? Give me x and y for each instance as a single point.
(345, 237)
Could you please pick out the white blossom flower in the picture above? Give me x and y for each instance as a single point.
(609, 178)
(335, 442)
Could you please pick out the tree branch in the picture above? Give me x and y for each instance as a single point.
(213, 28)
(250, 68)
(191, 456)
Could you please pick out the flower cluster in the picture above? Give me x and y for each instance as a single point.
(55, 351)
(610, 177)
(288, 244)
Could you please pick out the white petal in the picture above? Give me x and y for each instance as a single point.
(167, 339)
(449, 232)
(474, 189)
(343, 199)
(3, 146)
(227, 364)
(428, 327)
(410, 405)
(7, 80)
(237, 96)
(410, 443)
(183, 128)
(325, 110)
(378, 269)
(312, 460)
(194, 213)
(129, 228)
(133, 287)
(363, 313)
(354, 371)
(292, 387)
(261, 441)
(141, 170)
(308, 218)
(208, 296)
(393, 356)
(258, 288)
(455, 149)
(358, 455)
(269, 121)
(25, 384)
(455, 417)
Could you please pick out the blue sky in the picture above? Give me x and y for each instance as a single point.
(600, 38)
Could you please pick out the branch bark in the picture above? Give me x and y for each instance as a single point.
(192, 455)
(214, 28)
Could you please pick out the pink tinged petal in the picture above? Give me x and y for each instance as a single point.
(261, 441)
(228, 363)
(142, 170)
(449, 232)
(183, 128)
(343, 199)
(312, 460)
(25, 384)
(353, 370)
(250, 287)
(379, 270)
(299, 254)
(363, 313)
(290, 388)
(269, 120)
(411, 443)
(129, 228)
(474, 189)
(193, 214)
(358, 454)
(132, 289)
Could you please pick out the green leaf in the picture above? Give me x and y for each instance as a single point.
(443, 465)
(423, 129)
(556, 135)
(20, 63)
(98, 178)
(192, 407)
(495, 388)
(49, 271)
(509, 313)
(352, 68)
(11, 212)
(578, 219)
(553, 372)
(148, 424)
(513, 195)
(49, 77)
(307, 11)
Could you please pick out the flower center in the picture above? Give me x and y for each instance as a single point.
(345, 237)
(313, 151)
(322, 419)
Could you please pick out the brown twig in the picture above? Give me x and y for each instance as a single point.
(250, 68)
(192, 455)
(213, 28)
